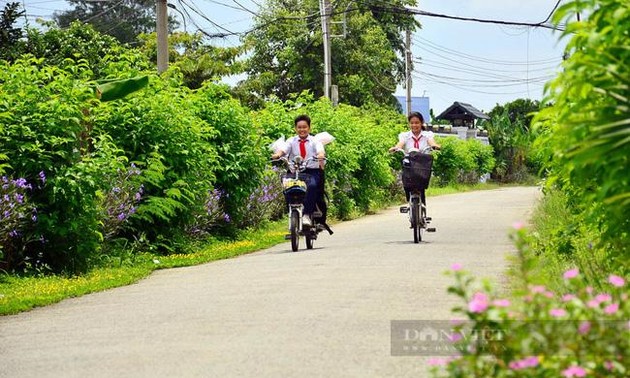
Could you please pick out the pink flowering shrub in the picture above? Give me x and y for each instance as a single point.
(577, 331)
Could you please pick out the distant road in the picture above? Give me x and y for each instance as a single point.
(275, 313)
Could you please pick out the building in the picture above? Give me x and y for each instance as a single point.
(462, 115)
(418, 104)
(463, 118)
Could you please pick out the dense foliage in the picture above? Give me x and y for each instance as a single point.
(512, 137)
(588, 126)
(88, 174)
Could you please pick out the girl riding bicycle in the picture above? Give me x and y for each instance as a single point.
(416, 139)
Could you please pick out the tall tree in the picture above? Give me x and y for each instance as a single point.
(124, 19)
(287, 50)
(197, 60)
(10, 35)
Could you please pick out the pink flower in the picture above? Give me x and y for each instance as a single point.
(603, 298)
(455, 337)
(574, 371)
(538, 289)
(518, 225)
(593, 303)
(479, 303)
(548, 294)
(611, 308)
(526, 362)
(589, 289)
(571, 273)
(568, 297)
(616, 280)
(557, 312)
(608, 365)
(501, 303)
(584, 327)
(456, 267)
(437, 361)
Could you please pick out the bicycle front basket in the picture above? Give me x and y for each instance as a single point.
(294, 189)
(416, 171)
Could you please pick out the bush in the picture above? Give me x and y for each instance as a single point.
(576, 331)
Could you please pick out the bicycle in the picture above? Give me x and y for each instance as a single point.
(294, 189)
(416, 173)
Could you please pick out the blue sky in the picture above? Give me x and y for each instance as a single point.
(462, 61)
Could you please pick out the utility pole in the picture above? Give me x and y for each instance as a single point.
(408, 69)
(162, 36)
(324, 10)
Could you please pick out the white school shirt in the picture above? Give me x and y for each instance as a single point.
(408, 138)
(313, 147)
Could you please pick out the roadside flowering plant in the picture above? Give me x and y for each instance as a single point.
(120, 201)
(212, 215)
(266, 201)
(577, 331)
(16, 212)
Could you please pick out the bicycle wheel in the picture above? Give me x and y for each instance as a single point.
(295, 230)
(415, 219)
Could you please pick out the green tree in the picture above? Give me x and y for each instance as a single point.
(520, 111)
(10, 35)
(287, 51)
(196, 60)
(124, 20)
(64, 47)
(511, 137)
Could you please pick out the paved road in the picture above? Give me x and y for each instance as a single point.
(319, 313)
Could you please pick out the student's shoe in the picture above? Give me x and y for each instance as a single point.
(306, 220)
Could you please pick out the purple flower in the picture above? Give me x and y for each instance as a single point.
(13, 233)
(138, 196)
(42, 177)
(121, 216)
(226, 217)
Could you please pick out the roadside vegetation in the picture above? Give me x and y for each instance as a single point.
(568, 313)
(107, 167)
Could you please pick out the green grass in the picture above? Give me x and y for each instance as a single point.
(24, 293)
(561, 241)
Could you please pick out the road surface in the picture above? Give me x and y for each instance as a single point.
(275, 313)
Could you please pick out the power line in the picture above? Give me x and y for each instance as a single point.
(424, 41)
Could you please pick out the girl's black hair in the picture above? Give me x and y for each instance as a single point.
(417, 115)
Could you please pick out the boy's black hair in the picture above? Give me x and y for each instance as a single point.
(302, 117)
